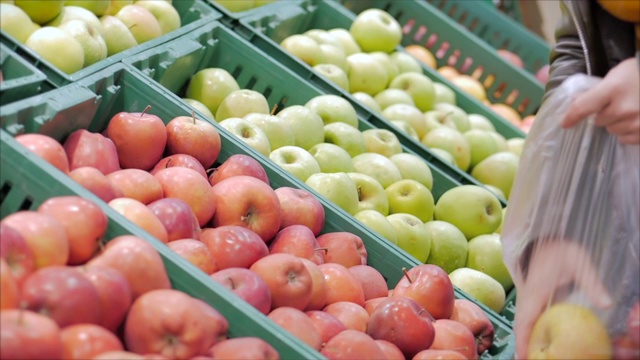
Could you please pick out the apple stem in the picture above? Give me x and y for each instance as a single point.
(145, 110)
(326, 250)
(406, 274)
(233, 285)
(193, 116)
(168, 163)
(273, 111)
(445, 115)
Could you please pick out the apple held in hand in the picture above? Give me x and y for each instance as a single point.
(195, 137)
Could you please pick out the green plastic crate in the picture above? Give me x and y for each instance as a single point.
(90, 103)
(19, 78)
(193, 14)
(230, 16)
(498, 30)
(509, 310)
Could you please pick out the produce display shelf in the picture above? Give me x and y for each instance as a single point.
(498, 30)
(454, 45)
(90, 103)
(193, 13)
(214, 45)
(20, 79)
(243, 8)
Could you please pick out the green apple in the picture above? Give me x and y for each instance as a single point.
(296, 160)
(388, 97)
(515, 145)
(303, 47)
(471, 208)
(444, 94)
(496, 191)
(452, 141)
(449, 247)
(236, 5)
(332, 158)
(249, 133)
(15, 22)
(117, 35)
(116, 5)
(92, 42)
(371, 194)
(366, 74)
(410, 197)
(376, 30)
(405, 62)
(480, 286)
(334, 74)
(382, 141)
(413, 167)
(40, 12)
(349, 44)
(482, 145)
(499, 170)
(459, 116)
(333, 108)
(368, 100)
(338, 188)
(477, 121)
(76, 13)
(322, 36)
(98, 7)
(504, 216)
(419, 86)
(197, 105)
(385, 60)
(378, 223)
(330, 54)
(345, 136)
(167, 16)
(306, 124)
(407, 113)
(377, 166)
(57, 47)
(411, 236)
(437, 118)
(444, 155)
(141, 22)
(500, 141)
(242, 102)
(276, 129)
(485, 255)
(406, 128)
(211, 86)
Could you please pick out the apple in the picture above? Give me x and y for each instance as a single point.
(444, 94)
(195, 252)
(485, 254)
(449, 247)
(413, 167)
(507, 112)
(238, 164)
(481, 286)
(481, 145)
(277, 129)
(9, 295)
(501, 141)
(297, 240)
(633, 324)
(326, 324)
(371, 195)
(471, 208)
(366, 74)
(244, 347)
(98, 7)
(83, 341)
(430, 286)
(182, 160)
(499, 170)
(288, 279)
(303, 47)
(84, 148)
(516, 145)
(41, 12)
(136, 184)
(405, 62)
(367, 100)
(411, 236)
(15, 251)
(477, 121)
(139, 214)
(199, 106)
(352, 344)
(569, 331)
(345, 136)
(452, 335)
(376, 30)
(338, 188)
(403, 322)
(389, 96)
(511, 57)
(96, 182)
(624, 348)
(296, 322)
(177, 218)
(543, 74)
(452, 141)
(239, 103)
(475, 319)
(437, 118)
(431, 354)
(377, 222)
(306, 124)
(247, 285)
(406, 113)
(120, 355)
(352, 315)
(334, 74)
(419, 86)
(333, 108)
(331, 158)
(71, 12)
(167, 16)
(140, 21)
(234, 246)
(15, 22)
(389, 65)
(300, 207)
(140, 138)
(29, 335)
(406, 128)
(46, 148)
(249, 133)
(372, 281)
(296, 161)
(90, 38)
(344, 248)
(210, 86)
(174, 324)
(195, 137)
(469, 85)
(371, 304)
(117, 35)
(377, 166)
(457, 115)
(341, 285)
(382, 141)
(318, 285)
(410, 197)
(114, 294)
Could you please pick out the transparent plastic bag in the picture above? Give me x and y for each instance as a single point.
(572, 231)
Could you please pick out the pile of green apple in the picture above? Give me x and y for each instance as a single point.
(72, 35)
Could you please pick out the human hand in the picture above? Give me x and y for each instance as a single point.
(615, 103)
(554, 266)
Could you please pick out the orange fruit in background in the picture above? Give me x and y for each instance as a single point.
(471, 86)
(448, 72)
(626, 10)
(507, 112)
(423, 54)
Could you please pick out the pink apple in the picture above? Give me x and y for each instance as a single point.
(288, 279)
(298, 324)
(543, 74)
(177, 218)
(9, 295)
(352, 315)
(28, 335)
(390, 350)
(85, 148)
(372, 281)
(247, 285)
(238, 164)
(196, 252)
(180, 160)
(341, 285)
(47, 148)
(431, 287)
(352, 344)
(452, 335)
(195, 137)
(318, 286)
(95, 181)
(136, 184)
(473, 317)
(234, 246)
(300, 207)
(16, 252)
(246, 347)
(139, 214)
(114, 293)
(344, 248)
(326, 324)
(433, 354)
(84, 341)
(297, 240)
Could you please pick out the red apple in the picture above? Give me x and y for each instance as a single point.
(114, 293)
(85, 148)
(195, 137)
(633, 324)
(431, 287)
(84, 222)
(297, 240)
(247, 285)
(45, 235)
(47, 148)
(318, 286)
(140, 138)
(8, 287)
(136, 184)
(28, 335)
(119, 355)
(341, 285)
(196, 253)
(298, 324)
(177, 218)
(187, 185)
(238, 164)
(139, 214)
(288, 279)
(372, 304)
(62, 293)
(84, 341)
(352, 344)
(433, 354)
(93, 180)
(173, 324)
(326, 324)
(403, 322)
(16, 252)
(242, 348)
(137, 260)
(624, 348)
(234, 246)
(390, 350)
(372, 281)
(452, 335)
(343, 248)
(249, 202)
(300, 207)
(511, 57)
(473, 317)
(180, 160)
(352, 315)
